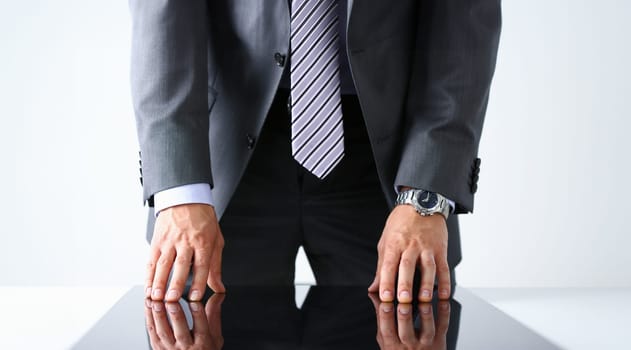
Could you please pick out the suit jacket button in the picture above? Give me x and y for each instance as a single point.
(251, 141)
(280, 59)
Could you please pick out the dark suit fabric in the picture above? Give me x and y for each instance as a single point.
(279, 206)
(205, 74)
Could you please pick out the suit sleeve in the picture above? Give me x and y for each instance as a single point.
(453, 64)
(169, 85)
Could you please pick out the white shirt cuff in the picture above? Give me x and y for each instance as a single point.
(199, 193)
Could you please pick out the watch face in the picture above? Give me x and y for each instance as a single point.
(427, 200)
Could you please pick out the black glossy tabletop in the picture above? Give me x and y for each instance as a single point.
(307, 317)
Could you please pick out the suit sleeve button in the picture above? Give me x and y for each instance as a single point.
(280, 59)
(251, 141)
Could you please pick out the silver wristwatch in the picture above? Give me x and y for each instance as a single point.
(425, 202)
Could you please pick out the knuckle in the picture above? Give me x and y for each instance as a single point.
(414, 245)
(427, 338)
(201, 259)
(443, 267)
(393, 244)
(201, 265)
(389, 264)
(428, 264)
(406, 261)
(163, 261)
(182, 260)
(428, 259)
(162, 334)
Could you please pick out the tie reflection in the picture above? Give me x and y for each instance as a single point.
(168, 328)
(329, 318)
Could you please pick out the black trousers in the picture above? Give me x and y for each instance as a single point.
(279, 206)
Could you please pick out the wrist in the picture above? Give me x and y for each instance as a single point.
(426, 203)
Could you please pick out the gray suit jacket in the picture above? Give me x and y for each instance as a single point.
(204, 74)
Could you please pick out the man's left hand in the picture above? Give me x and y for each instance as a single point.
(410, 240)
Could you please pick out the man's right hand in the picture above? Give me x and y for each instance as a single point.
(185, 236)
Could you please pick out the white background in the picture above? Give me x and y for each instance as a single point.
(553, 195)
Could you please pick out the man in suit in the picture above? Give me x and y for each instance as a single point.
(223, 92)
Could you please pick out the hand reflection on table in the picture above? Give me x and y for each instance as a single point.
(328, 318)
(397, 327)
(172, 331)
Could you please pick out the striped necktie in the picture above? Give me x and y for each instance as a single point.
(317, 133)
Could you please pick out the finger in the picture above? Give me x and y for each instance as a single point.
(444, 313)
(163, 329)
(427, 324)
(201, 333)
(214, 278)
(178, 322)
(161, 277)
(406, 327)
(428, 275)
(407, 267)
(213, 313)
(181, 266)
(444, 278)
(151, 326)
(387, 328)
(201, 266)
(374, 286)
(154, 255)
(387, 275)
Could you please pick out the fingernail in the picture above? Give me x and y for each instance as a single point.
(425, 309)
(156, 294)
(386, 307)
(404, 295)
(171, 308)
(194, 307)
(157, 307)
(386, 294)
(148, 292)
(425, 293)
(172, 294)
(148, 303)
(195, 295)
(444, 293)
(444, 307)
